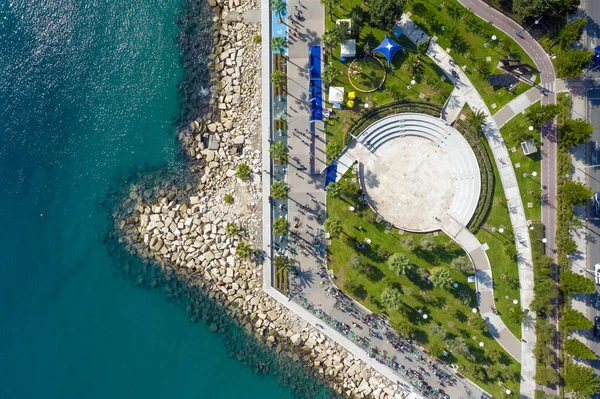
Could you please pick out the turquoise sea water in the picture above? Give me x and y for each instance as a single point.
(88, 92)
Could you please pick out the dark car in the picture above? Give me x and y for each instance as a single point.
(597, 326)
(597, 56)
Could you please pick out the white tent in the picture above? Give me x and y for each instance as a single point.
(348, 48)
(336, 95)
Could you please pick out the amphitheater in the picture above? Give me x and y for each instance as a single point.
(417, 172)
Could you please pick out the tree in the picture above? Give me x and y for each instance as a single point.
(232, 229)
(333, 226)
(331, 38)
(427, 244)
(382, 253)
(408, 242)
(438, 332)
(334, 189)
(477, 119)
(574, 132)
(510, 250)
(330, 74)
(462, 264)
(530, 8)
(279, 151)
(243, 171)
(406, 328)
(575, 347)
(280, 8)
(580, 380)
(494, 355)
(332, 151)
(571, 63)
(278, 44)
(459, 346)
(538, 114)
(477, 322)
(575, 192)
(279, 190)
(573, 283)
(422, 47)
(243, 250)
(355, 262)
(575, 320)
(441, 277)
(385, 13)
(517, 314)
(282, 263)
(570, 33)
(483, 68)
(349, 189)
(278, 79)
(391, 298)
(399, 264)
(330, 5)
(343, 28)
(281, 226)
(545, 375)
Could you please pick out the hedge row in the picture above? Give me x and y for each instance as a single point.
(486, 198)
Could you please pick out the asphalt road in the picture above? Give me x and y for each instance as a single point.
(590, 39)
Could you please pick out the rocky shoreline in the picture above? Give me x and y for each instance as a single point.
(183, 229)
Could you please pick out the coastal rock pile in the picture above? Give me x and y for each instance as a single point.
(189, 239)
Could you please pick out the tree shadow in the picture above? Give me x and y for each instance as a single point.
(373, 273)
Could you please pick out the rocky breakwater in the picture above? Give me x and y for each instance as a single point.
(194, 239)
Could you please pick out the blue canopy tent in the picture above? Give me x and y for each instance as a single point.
(388, 48)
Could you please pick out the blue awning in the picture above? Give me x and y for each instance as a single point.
(388, 48)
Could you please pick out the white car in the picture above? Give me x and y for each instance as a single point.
(597, 270)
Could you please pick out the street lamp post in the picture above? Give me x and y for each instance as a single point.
(480, 343)
(514, 301)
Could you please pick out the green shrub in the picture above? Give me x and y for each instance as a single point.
(228, 199)
(243, 171)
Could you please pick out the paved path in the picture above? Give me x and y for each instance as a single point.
(514, 201)
(454, 104)
(516, 106)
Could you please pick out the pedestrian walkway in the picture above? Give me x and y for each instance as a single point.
(513, 198)
(516, 106)
(454, 104)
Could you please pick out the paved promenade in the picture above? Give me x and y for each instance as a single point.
(513, 197)
(516, 106)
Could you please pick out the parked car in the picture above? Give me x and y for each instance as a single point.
(597, 272)
(596, 203)
(597, 326)
(597, 56)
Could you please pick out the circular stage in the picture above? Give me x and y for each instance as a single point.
(416, 172)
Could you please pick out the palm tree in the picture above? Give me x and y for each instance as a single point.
(279, 151)
(331, 38)
(441, 277)
(392, 298)
(278, 79)
(333, 226)
(283, 264)
(278, 44)
(399, 264)
(330, 4)
(279, 190)
(243, 250)
(281, 226)
(334, 189)
(330, 74)
(476, 119)
(280, 8)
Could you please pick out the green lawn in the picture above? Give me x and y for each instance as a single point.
(505, 271)
(429, 84)
(514, 132)
(466, 36)
(443, 306)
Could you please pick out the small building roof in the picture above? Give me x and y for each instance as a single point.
(529, 147)
(348, 48)
(336, 95)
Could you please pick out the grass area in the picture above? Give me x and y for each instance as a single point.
(405, 67)
(466, 35)
(448, 308)
(505, 270)
(367, 74)
(514, 132)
